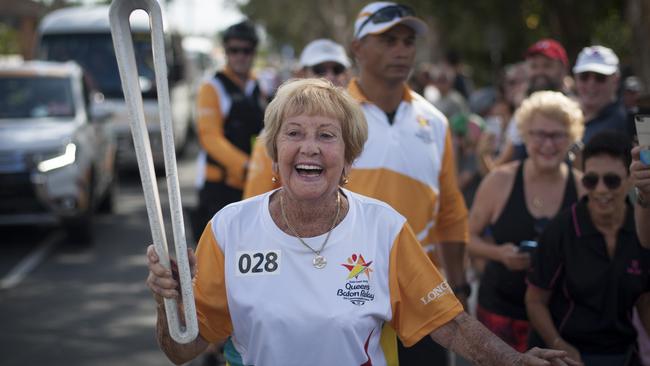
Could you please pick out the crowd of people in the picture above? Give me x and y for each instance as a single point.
(334, 216)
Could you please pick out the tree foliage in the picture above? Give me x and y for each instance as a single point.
(486, 33)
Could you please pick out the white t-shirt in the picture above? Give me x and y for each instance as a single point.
(258, 285)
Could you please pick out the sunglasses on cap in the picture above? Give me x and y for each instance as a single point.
(585, 76)
(242, 50)
(387, 14)
(322, 70)
(611, 180)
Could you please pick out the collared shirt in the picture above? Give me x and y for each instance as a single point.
(409, 164)
(592, 294)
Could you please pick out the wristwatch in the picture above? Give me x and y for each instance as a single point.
(641, 200)
(464, 289)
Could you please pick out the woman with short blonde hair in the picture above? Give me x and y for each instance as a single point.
(316, 97)
(513, 204)
(553, 105)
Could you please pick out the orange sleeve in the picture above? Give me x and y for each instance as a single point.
(210, 290)
(214, 142)
(452, 221)
(421, 299)
(260, 172)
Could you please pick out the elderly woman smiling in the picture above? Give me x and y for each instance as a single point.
(309, 273)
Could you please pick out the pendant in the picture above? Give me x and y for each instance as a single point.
(319, 262)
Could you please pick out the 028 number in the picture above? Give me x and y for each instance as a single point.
(258, 263)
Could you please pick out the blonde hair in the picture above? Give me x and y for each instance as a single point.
(553, 105)
(315, 97)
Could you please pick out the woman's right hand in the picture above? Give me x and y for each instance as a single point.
(514, 260)
(161, 281)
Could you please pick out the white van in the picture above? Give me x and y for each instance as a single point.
(83, 34)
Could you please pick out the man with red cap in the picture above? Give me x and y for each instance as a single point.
(548, 65)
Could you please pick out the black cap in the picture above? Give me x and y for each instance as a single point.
(244, 30)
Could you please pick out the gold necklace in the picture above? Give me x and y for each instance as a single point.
(319, 261)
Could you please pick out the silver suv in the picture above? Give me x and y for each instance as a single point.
(56, 156)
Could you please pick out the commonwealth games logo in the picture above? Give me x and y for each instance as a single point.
(356, 290)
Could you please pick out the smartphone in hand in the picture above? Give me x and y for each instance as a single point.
(642, 122)
(527, 246)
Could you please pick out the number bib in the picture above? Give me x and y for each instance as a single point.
(256, 263)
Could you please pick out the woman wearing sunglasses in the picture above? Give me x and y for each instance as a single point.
(590, 268)
(515, 202)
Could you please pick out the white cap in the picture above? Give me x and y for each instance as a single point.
(362, 27)
(598, 59)
(323, 50)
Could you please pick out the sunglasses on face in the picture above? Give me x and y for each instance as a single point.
(585, 76)
(539, 137)
(387, 14)
(237, 50)
(611, 180)
(322, 70)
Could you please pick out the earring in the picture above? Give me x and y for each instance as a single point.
(345, 180)
(274, 179)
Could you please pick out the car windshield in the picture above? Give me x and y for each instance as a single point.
(35, 97)
(94, 52)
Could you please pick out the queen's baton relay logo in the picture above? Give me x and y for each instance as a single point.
(357, 286)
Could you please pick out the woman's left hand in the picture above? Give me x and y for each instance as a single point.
(547, 357)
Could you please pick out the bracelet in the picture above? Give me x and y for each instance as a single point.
(641, 199)
(464, 289)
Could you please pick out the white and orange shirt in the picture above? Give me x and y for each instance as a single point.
(258, 285)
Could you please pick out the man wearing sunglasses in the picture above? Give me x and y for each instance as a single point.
(597, 78)
(230, 113)
(324, 58)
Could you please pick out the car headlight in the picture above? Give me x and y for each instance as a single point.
(68, 157)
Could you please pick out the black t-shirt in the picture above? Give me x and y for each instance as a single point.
(502, 291)
(592, 295)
